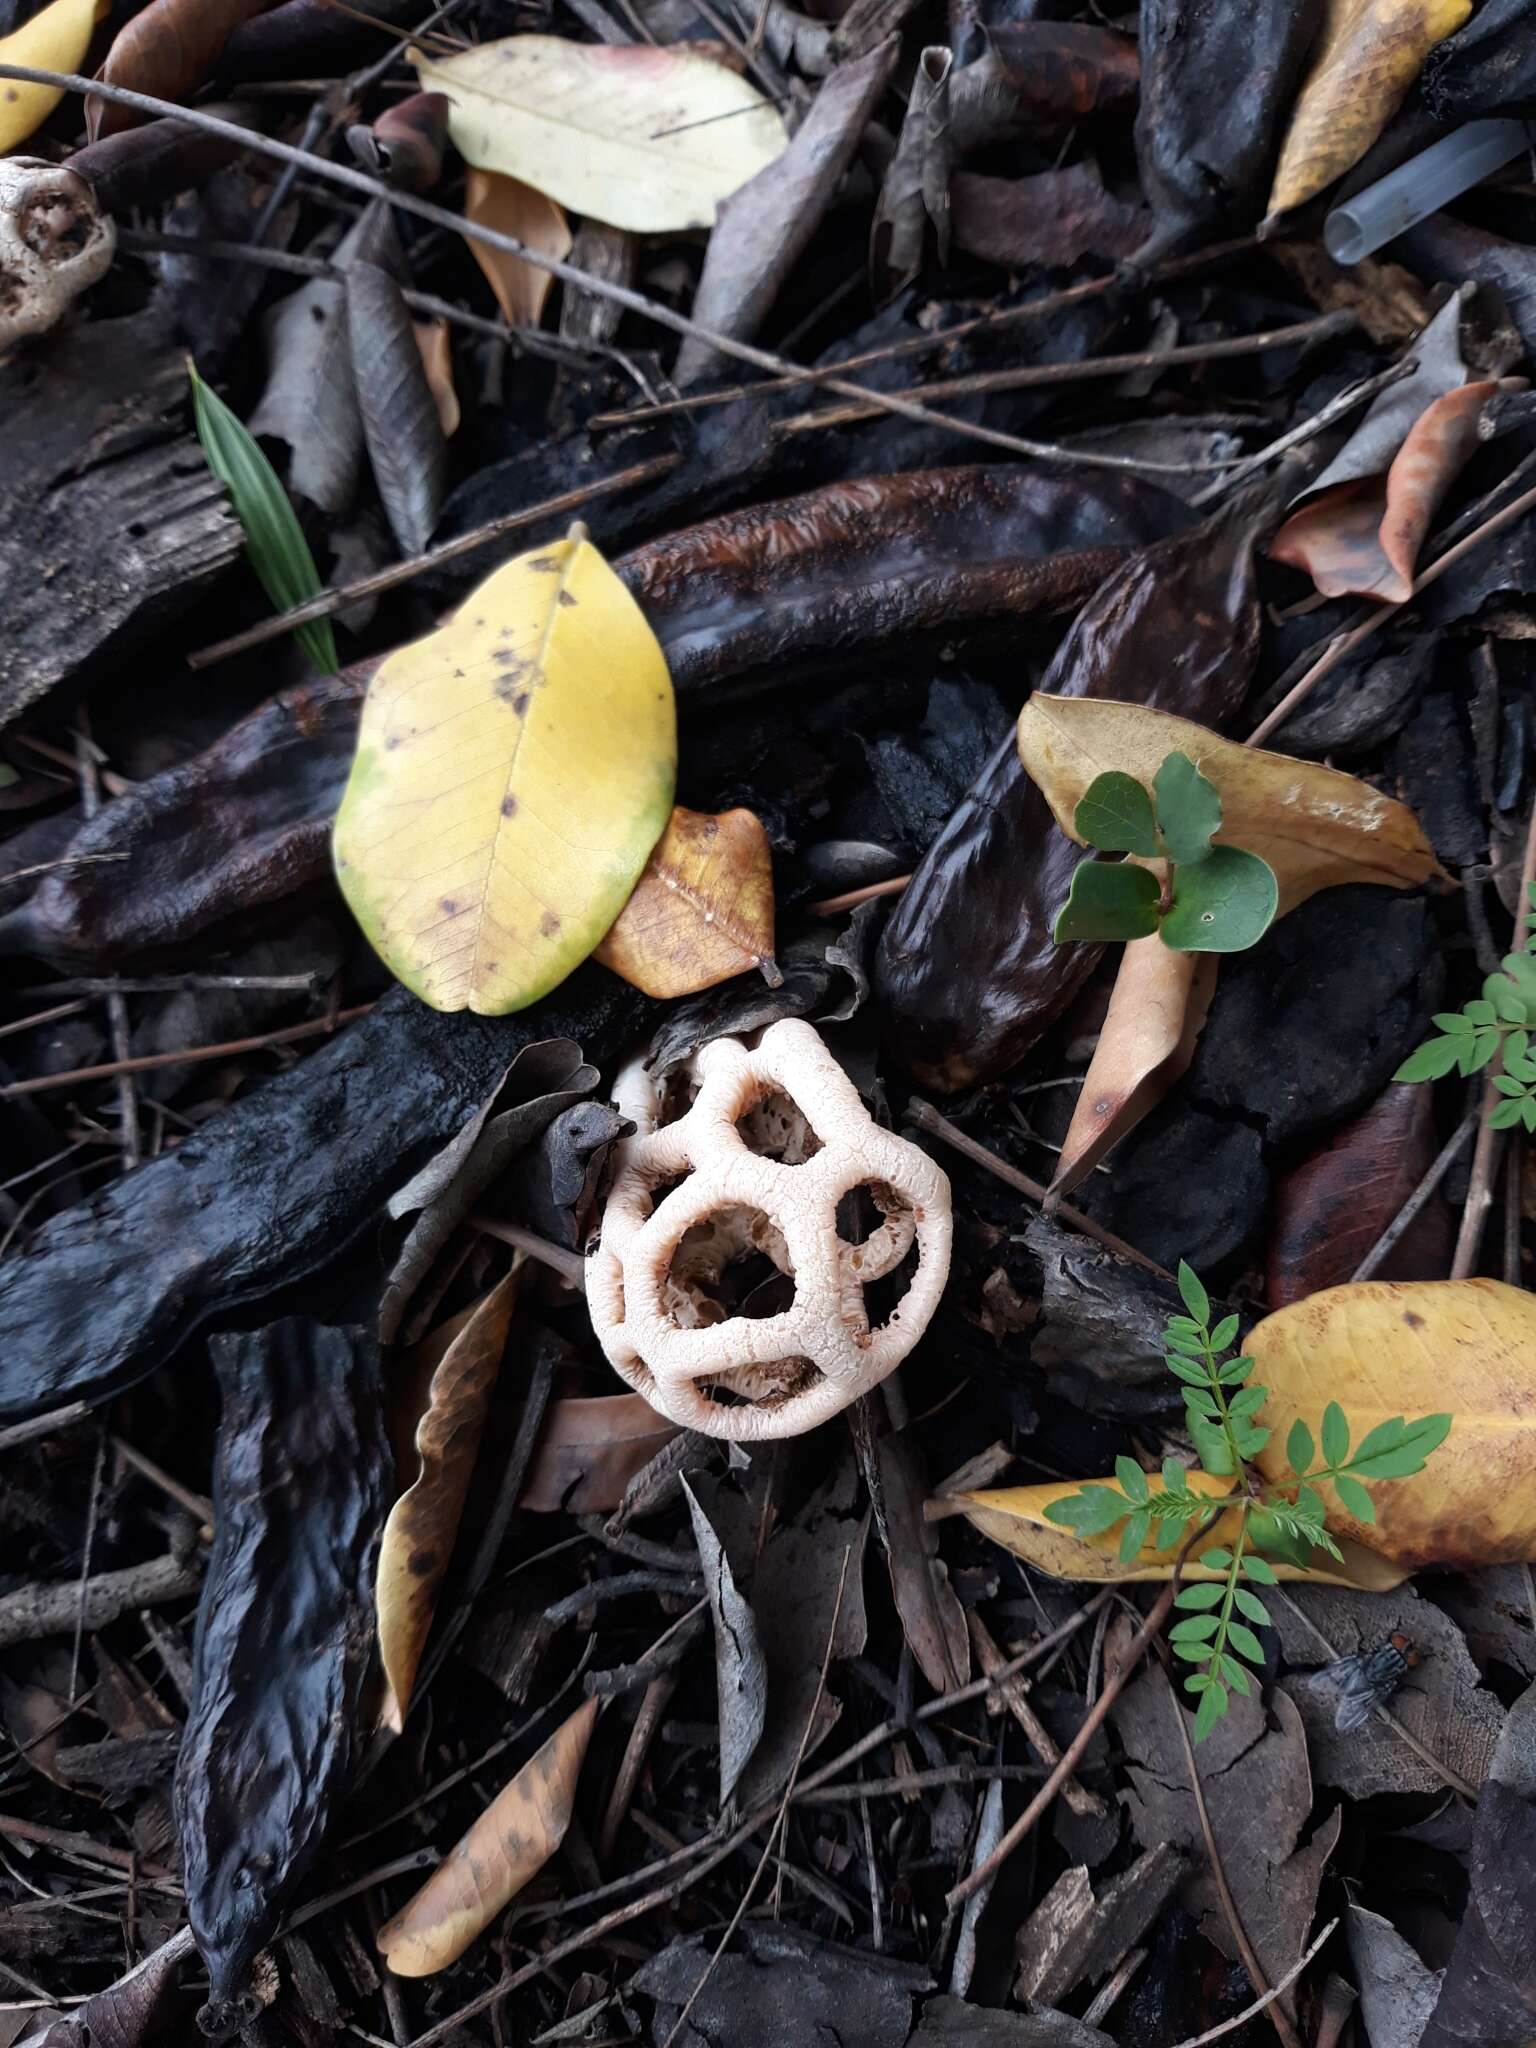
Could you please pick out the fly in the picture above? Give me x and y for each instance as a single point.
(1366, 1681)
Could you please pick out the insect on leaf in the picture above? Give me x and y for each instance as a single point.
(513, 771)
(507, 1846)
(703, 909)
(1223, 905)
(639, 137)
(1108, 900)
(1188, 810)
(274, 539)
(1115, 815)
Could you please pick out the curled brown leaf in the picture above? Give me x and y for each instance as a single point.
(167, 49)
(589, 1451)
(492, 200)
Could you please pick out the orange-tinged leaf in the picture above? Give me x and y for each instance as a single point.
(1315, 826)
(589, 1450)
(703, 909)
(56, 39)
(1368, 55)
(493, 200)
(436, 345)
(1154, 1021)
(507, 1846)
(1015, 1517)
(451, 1376)
(1466, 1348)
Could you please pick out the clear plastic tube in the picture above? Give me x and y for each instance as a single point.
(1421, 186)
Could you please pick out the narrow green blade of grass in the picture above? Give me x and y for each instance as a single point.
(274, 540)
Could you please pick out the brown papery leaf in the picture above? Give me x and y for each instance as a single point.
(1154, 1022)
(507, 1846)
(1315, 826)
(1367, 57)
(167, 49)
(492, 200)
(405, 145)
(1384, 1348)
(435, 344)
(932, 1619)
(1330, 1210)
(589, 1451)
(459, 1364)
(701, 912)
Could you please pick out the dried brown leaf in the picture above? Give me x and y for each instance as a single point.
(932, 1619)
(701, 912)
(405, 145)
(400, 417)
(1154, 1021)
(589, 1451)
(493, 200)
(507, 1846)
(435, 343)
(167, 49)
(452, 1375)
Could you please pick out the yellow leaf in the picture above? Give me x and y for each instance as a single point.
(1368, 55)
(631, 135)
(448, 1385)
(513, 771)
(703, 909)
(509, 1844)
(1315, 826)
(1015, 1517)
(516, 209)
(54, 40)
(1466, 1348)
(1150, 1031)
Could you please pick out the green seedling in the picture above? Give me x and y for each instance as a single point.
(1500, 1020)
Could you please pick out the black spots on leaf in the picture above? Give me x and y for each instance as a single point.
(549, 924)
(451, 907)
(422, 1561)
(509, 805)
(545, 564)
(565, 598)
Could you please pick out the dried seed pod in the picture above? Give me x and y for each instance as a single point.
(284, 1634)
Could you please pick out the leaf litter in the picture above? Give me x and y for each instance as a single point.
(1115, 444)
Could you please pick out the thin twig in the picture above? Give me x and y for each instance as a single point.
(117, 1009)
(43, 1425)
(1075, 1750)
(79, 1076)
(927, 1118)
(829, 906)
(1249, 2012)
(1384, 1246)
(569, 1265)
(327, 601)
(1257, 1976)
(570, 273)
(1294, 437)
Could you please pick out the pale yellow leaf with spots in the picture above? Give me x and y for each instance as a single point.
(513, 771)
(56, 39)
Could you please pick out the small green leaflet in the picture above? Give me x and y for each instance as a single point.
(274, 540)
(1223, 905)
(1109, 901)
(1115, 815)
(1188, 810)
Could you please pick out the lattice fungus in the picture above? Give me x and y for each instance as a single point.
(754, 1174)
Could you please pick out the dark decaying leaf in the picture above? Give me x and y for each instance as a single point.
(1397, 1991)
(1258, 1790)
(762, 230)
(1216, 84)
(284, 1633)
(167, 49)
(914, 200)
(741, 1675)
(1068, 71)
(543, 1079)
(1055, 217)
(278, 1184)
(1363, 703)
(136, 2009)
(311, 38)
(809, 577)
(932, 1619)
(1077, 1936)
(777, 1985)
(967, 972)
(951, 2023)
(1329, 1210)
(405, 145)
(406, 444)
(1488, 1994)
(148, 166)
(1488, 67)
(589, 1450)
(552, 1187)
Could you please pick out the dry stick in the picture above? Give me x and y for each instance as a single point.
(1426, 1756)
(117, 1008)
(1076, 1749)
(927, 1118)
(1027, 376)
(79, 1076)
(327, 601)
(1341, 648)
(1259, 2005)
(569, 1265)
(1257, 1976)
(1485, 1154)
(41, 1017)
(1042, 308)
(850, 899)
(991, 1659)
(777, 1829)
(1379, 1252)
(570, 273)
(43, 1425)
(653, 1706)
(50, 1610)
